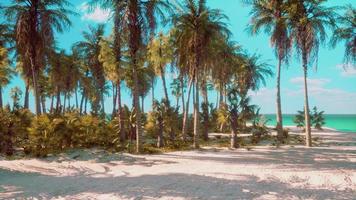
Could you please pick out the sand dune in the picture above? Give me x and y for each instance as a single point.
(265, 172)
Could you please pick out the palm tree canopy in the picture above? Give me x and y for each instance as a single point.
(271, 16)
(309, 20)
(346, 31)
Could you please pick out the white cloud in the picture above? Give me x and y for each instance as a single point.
(331, 100)
(347, 70)
(97, 14)
(311, 82)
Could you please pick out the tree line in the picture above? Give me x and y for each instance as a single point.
(197, 47)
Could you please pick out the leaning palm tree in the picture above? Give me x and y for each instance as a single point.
(308, 22)
(271, 16)
(196, 26)
(35, 22)
(346, 32)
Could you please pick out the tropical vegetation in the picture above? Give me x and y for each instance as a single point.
(151, 41)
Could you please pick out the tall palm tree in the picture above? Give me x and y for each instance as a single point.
(271, 16)
(309, 20)
(5, 71)
(159, 55)
(118, 10)
(90, 47)
(35, 24)
(197, 26)
(140, 15)
(346, 32)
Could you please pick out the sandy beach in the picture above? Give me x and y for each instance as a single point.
(327, 171)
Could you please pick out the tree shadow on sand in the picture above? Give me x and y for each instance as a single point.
(32, 185)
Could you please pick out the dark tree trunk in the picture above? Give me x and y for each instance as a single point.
(64, 102)
(51, 107)
(134, 45)
(114, 97)
(153, 91)
(27, 92)
(160, 138)
(122, 132)
(1, 103)
(233, 122)
(43, 103)
(76, 97)
(205, 111)
(196, 113)
(186, 113)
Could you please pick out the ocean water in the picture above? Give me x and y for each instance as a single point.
(346, 123)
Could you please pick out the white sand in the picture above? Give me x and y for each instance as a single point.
(324, 172)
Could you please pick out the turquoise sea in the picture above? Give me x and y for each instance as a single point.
(345, 123)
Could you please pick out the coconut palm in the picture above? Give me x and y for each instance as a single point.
(6, 72)
(252, 72)
(308, 22)
(271, 16)
(159, 55)
(346, 32)
(35, 22)
(90, 47)
(139, 15)
(197, 26)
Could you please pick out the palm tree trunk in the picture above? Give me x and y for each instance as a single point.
(27, 92)
(182, 92)
(58, 102)
(1, 103)
(153, 91)
(114, 97)
(35, 85)
(196, 113)
(205, 111)
(85, 105)
(186, 111)
(76, 98)
(164, 83)
(64, 102)
(142, 104)
(43, 103)
(306, 103)
(278, 103)
(81, 104)
(51, 107)
(233, 122)
(137, 110)
(122, 132)
(134, 45)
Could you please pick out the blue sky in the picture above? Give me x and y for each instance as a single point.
(331, 87)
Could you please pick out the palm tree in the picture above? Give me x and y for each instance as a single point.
(159, 55)
(197, 26)
(90, 47)
(347, 32)
(35, 24)
(252, 73)
(271, 16)
(118, 9)
(5, 71)
(308, 22)
(139, 14)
